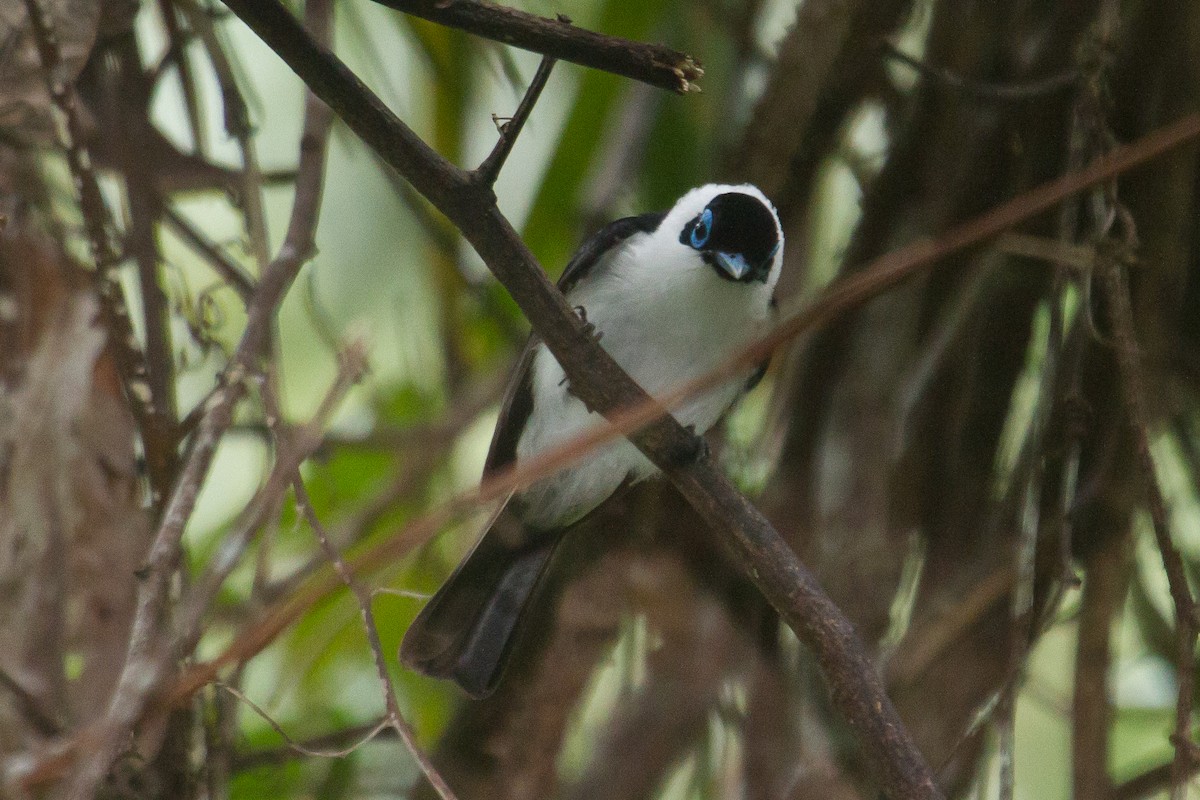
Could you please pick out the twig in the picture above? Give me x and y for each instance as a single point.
(328, 745)
(299, 446)
(32, 708)
(1103, 594)
(1151, 782)
(123, 93)
(237, 125)
(177, 54)
(980, 90)
(489, 170)
(362, 736)
(650, 63)
(222, 264)
(1133, 388)
(394, 718)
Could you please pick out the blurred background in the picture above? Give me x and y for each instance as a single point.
(955, 458)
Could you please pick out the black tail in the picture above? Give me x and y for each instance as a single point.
(465, 632)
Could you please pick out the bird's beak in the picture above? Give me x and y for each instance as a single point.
(734, 264)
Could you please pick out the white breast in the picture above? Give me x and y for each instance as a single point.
(666, 317)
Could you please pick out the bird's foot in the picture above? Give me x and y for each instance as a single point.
(588, 328)
(694, 449)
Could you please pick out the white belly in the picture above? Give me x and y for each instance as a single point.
(662, 340)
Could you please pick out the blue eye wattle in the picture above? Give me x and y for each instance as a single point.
(702, 230)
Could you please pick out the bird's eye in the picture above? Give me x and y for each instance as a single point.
(703, 229)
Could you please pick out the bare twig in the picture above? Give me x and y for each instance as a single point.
(394, 718)
(489, 170)
(1152, 782)
(221, 263)
(123, 97)
(1103, 594)
(237, 125)
(327, 745)
(32, 708)
(302, 443)
(650, 63)
(177, 54)
(362, 735)
(1133, 388)
(980, 90)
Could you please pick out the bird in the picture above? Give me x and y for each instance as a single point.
(670, 296)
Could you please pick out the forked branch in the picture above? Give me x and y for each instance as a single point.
(654, 64)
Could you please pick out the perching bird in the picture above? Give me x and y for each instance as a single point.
(670, 296)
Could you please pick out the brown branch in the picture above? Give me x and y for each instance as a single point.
(489, 170)
(1133, 385)
(395, 718)
(212, 253)
(654, 64)
(1091, 718)
(1026, 90)
(300, 444)
(123, 98)
(1150, 783)
(40, 718)
(327, 745)
(855, 686)
(237, 125)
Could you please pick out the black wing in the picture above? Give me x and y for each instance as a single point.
(601, 242)
(518, 398)
(466, 631)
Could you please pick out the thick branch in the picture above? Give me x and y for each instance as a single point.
(856, 688)
(654, 64)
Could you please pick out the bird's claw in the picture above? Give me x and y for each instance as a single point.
(693, 450)
(588, 328)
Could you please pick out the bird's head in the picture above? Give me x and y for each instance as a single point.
(734, 229)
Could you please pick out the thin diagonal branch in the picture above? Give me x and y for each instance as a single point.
(216, 258)
(654, 64)
(489, 170)
(1133, 388)
(394, 718)
(362, 735)
(1005, 92)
